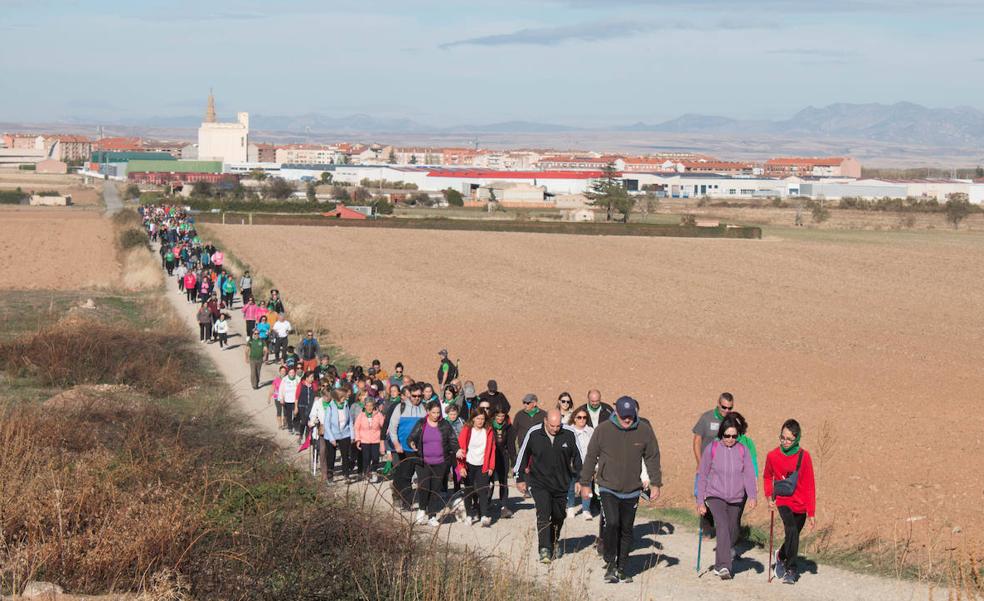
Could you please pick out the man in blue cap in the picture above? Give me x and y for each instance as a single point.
(619, 447)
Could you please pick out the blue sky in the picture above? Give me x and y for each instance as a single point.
(579, 62)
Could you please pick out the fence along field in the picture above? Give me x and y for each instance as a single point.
(873, 344)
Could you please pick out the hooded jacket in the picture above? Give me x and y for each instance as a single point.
(615, 454)
(726, 473)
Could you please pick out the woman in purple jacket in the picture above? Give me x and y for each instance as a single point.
(726, 476)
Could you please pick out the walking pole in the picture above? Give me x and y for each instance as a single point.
(772, 523)
(700, 539)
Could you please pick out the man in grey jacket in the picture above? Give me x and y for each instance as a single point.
(618, 449)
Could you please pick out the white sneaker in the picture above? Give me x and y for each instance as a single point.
(374, 479)
(421, 517)
(434, 522)
(486, 522)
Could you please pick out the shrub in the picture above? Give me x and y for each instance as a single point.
(278, 188)
(688, 220)
(72, 353)
(127, 217)
(132, 238)
(820, 213)
(957, 208)
(132, 192)
(12, 197)
(27, 167)
(454, 198)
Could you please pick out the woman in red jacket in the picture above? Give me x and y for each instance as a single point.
(788, 460)
(476, 462)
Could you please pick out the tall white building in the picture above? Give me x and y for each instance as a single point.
(226, 142)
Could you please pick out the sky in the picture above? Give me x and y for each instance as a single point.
(449, 62)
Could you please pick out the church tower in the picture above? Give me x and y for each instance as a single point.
(210, 111)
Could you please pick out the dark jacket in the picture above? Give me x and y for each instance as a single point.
(497, 401)
(606, 412)
(309, 348)
(448, 439)
(521, 424)
(614, 458)
(549, 466)
(505, 454)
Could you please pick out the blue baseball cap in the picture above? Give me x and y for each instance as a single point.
(627, 407)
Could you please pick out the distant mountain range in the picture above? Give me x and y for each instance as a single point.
(903, 123)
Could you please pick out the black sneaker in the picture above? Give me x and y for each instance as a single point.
(621, 575)
(506, 513)
(611, 574)
(790, 577)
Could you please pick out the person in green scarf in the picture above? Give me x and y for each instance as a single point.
(527, 417)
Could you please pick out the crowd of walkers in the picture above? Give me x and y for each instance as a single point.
(449, 452)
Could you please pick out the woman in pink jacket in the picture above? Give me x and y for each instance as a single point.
(368, 434)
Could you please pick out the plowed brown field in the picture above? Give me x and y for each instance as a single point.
(56, 249)
(874, 340)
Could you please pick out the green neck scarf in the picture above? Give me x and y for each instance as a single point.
(497, 426)
(533, 412)
(792, 450)
(340, 404)
(717, 414)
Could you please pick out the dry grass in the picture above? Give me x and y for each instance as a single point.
(77, 352)
(141, 271)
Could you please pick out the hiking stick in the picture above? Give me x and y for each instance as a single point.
(700, 539)
(772, 523)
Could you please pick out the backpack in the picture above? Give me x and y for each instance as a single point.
(787, 486)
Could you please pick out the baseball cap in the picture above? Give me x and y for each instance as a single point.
(626, 407)
(443, 352)
(530, 398)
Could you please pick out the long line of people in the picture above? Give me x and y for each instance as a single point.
(446, 450)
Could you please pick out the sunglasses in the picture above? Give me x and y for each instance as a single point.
(726, 408)
(784, 439)
(566, 401)
(581, 417)
(415, 396)
(730, 437)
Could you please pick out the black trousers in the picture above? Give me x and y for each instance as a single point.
(280, 348)
(250, 324)
(402, 476)
(370, 458)
(247, 293)
(617, 534)
(551, 509)
(227, 299)
(429, 478)
(792, 524)
(476, 491)
(342, 446)
(499, 474)
(190, 295)
(204, 331)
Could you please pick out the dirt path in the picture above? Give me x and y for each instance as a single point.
(662, 563)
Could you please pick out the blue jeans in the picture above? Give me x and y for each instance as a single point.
(572, 498)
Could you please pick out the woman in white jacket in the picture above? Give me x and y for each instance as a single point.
(581, 425)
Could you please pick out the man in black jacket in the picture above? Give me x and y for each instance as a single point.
(527, 417)
(598, 412)
(497, 400)
(550, 459)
